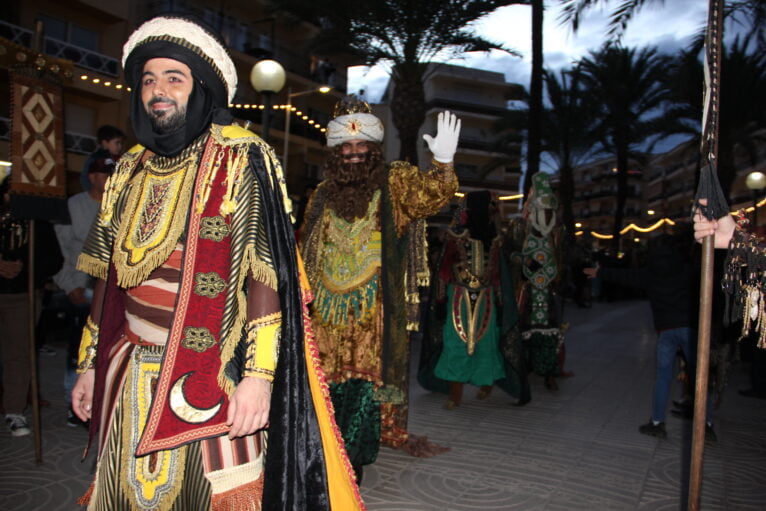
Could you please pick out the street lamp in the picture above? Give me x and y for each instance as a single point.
(267, 77)
(755, 182)
(324, 89)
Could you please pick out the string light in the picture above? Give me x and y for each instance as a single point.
(634, 227)
(311, 122)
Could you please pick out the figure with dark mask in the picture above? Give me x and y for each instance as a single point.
(480, 307)
(363, 240)
(198, 337)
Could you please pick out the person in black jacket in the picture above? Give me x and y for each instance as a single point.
(669, 280)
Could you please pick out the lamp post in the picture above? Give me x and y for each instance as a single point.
(267, 77)
(324, 89)
(755, 182)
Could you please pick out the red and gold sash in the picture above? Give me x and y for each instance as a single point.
(189, 404)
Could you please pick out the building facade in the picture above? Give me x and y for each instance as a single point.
(91, 33)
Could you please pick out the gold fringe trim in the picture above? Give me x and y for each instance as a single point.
(228, 343)
(92, 266)
(243, 498)
(208, 185)
(412, 326)
(263, 273)
(116, 183)
(131, 275)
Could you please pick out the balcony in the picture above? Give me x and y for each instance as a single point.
(478, 144)
(463, 106)
(81, 57)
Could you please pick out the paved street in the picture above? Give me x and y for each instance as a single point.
(577, 448)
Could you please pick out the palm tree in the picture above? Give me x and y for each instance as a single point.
(535, 96)
(404, 34)
(742, 109)
(748, 13)
(567, 133)
(627, 85)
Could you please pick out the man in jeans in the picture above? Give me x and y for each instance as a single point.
(669, 282)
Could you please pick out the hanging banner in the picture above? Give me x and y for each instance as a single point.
(37, 137)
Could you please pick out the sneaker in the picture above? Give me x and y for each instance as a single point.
(652, 429)
(710, 435)
(17, 423)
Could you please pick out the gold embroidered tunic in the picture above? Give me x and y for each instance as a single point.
(345, 264)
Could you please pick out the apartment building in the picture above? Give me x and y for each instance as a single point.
(90, 35)
(480, 98)
(595, 196)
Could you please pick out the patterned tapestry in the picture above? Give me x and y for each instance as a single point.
(37, 137)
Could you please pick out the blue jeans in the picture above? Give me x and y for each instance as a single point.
(667, 344)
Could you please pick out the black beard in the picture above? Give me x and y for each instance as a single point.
(162, 122)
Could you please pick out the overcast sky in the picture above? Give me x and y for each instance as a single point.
(669, 26)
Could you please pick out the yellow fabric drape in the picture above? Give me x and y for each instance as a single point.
(341, 482)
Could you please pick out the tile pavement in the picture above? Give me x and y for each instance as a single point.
(577, 448)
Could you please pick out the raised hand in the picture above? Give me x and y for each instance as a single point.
(444, 145)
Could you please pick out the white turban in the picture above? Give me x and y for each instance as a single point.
(355, 126)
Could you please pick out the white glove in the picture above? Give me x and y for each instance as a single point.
(444, 145)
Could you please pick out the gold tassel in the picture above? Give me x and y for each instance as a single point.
(208, 185)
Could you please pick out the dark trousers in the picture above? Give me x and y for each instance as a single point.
(14, 345)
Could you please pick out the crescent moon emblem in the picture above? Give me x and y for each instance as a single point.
(186, 411)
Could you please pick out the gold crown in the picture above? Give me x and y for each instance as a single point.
(351, 105)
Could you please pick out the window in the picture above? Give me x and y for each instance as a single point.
(69, 32)
(79, 119)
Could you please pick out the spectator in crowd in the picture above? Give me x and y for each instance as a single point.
(669, 282)
(14, 305)
(78, 286)
(110, 145)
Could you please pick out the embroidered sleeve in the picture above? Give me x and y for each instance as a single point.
(86, 357)
(416, 194)
(261, 262)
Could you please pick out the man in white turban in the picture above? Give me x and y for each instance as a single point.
(363, 241)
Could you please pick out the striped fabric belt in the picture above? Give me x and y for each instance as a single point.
(135, 339)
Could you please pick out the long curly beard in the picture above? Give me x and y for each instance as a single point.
(350, 186)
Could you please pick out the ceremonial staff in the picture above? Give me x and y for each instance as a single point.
(37, 190)
(715, 207)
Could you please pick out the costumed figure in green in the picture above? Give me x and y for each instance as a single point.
(198, 341)
(475, 300)
(363, 241)
(538, 263)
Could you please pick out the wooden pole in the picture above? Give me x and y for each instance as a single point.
(709, 150)
(32, 344)
(703, 364)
